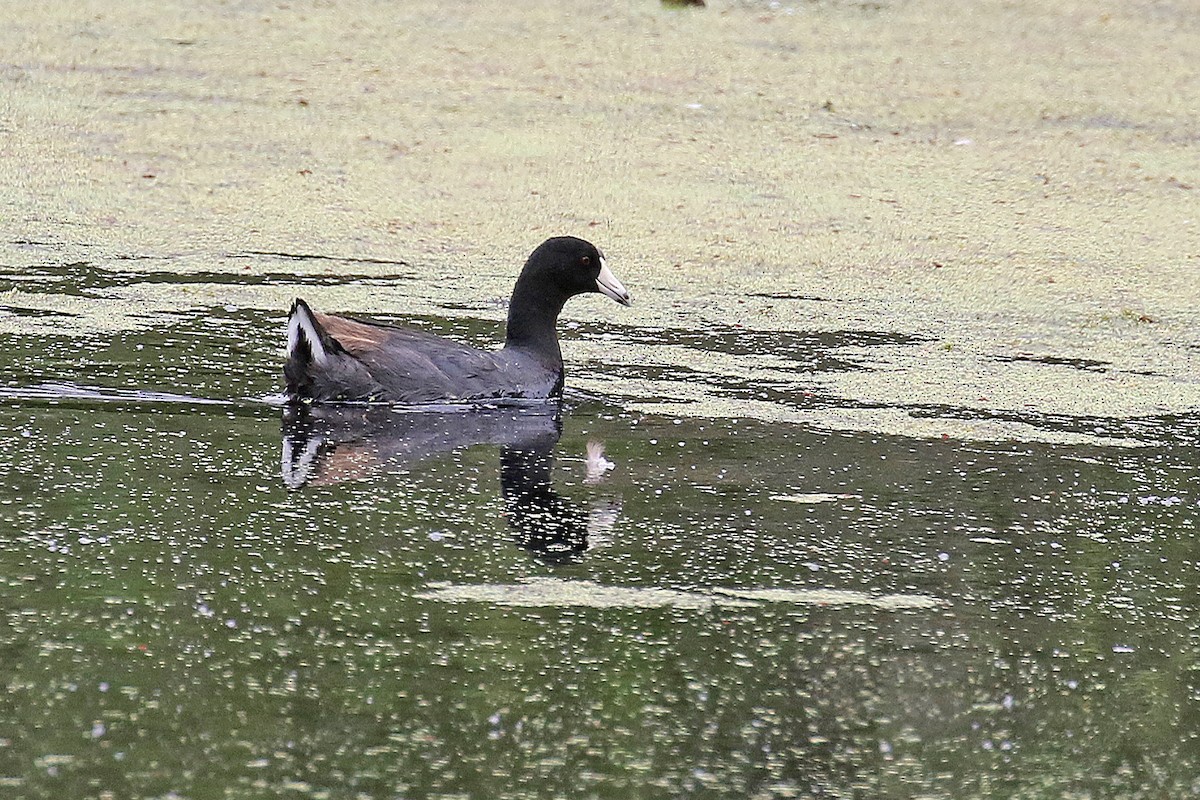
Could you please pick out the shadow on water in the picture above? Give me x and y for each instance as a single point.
(812, 351)
(84, 278)
(192, 605)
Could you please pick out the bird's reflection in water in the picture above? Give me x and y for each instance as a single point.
(324, 445)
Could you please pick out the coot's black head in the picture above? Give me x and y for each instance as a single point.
(565, 266)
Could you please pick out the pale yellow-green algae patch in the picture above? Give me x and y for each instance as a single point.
(813, 498)
(59, 313)
(837, 597)
(559, 592)
(1015, 185)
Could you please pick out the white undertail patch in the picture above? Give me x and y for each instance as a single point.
(303, 328)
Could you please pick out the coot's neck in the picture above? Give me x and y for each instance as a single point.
(532, 317)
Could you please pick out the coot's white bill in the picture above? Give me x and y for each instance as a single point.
(608, 283)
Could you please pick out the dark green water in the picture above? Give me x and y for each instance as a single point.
(736, 610)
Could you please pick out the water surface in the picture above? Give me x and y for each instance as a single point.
(203, 599)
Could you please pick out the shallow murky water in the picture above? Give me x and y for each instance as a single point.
(202, 599)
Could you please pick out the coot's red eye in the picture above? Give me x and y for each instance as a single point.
(586, 260)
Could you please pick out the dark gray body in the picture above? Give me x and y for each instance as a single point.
(338, 359)
(386, 364)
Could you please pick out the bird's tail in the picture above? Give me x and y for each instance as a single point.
(308, 344)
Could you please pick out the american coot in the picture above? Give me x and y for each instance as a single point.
(336, 359)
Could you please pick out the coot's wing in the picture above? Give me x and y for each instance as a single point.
(337, 359)
(416, 367)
